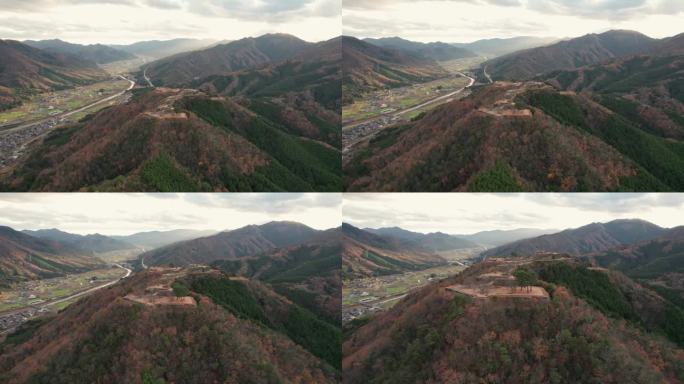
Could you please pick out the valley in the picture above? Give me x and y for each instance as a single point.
(229, 124)
(374, 111)
(42, 113)
(30, 299)
(56, 104)
(511, 305)
(366, 296)
(260, 295)
(615, 92)
(382, 266)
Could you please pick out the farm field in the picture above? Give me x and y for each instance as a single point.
(373, 294)
(48, 104)
(36, 292)
(460, 65)
(123, 67)
(396, 99)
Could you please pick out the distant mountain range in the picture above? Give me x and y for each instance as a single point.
(367, 67)
(97, 53)
(437, 50)
(500, 237)
(573, 53)
(25, 70)
(93, 242)
(158, 49)
(225, 58)
(156, 239)
(502, 46)
(442, 241)
(592, 238)
(25, 257)
(435, 242)
(442, 51)
(45, 253)
(231, 245)
(369, 254)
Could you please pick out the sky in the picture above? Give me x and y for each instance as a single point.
(466, 213)
(128, 21)
(124, 214)
(464, 21)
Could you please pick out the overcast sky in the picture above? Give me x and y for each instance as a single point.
(127, 21)
(465, 213)
(123, 214)
(469, 20)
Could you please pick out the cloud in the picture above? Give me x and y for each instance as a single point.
(618, 203)
(365, 4)
(595, 9)
(265, 10)
(120, 213)
(255, 11)
(274, 203)
(462, 213)
(599, 9)
(164, 4)
(444, 31)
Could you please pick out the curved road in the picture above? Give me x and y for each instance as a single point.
(472, 81)
(63, 299)
(67, 114)
(87, 291)
(409, 109)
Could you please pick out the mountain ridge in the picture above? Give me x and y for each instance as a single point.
(584, 50)
(26, 70)
(97, 53)
(231, 245)
(25, 257)
(94, 242)
(435, 50)
(367, 67)
(594, 237)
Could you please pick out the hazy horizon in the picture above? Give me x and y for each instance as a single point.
(128, 213)
(559, 38)
(209, 40)
(129, 21)
(463, 21)
(466, 214)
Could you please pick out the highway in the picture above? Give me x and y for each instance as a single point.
(472, 81)
(128, 273)
(409, 109)
(63, 299)
(67, 114)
